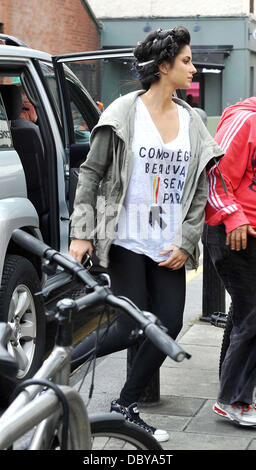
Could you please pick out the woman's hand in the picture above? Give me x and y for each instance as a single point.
(176, 260)
(78, 248)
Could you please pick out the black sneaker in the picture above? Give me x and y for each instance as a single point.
(131, 413)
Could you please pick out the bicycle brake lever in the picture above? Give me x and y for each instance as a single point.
(103, 279)
(154, 319)
(136, 334)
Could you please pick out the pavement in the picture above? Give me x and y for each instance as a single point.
(188, 391)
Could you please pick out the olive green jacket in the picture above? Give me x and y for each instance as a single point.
(104, 177)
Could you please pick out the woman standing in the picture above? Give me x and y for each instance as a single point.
(147, 163)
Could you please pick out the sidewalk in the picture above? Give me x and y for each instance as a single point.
(188, 391)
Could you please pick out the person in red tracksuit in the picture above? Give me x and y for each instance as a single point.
(230, 236)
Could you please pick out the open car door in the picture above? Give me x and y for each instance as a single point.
(87, 83)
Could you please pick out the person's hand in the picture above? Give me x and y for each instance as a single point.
(78, 248)
(176, 260)
(237, 238)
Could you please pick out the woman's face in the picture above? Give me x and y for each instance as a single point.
(180, 74)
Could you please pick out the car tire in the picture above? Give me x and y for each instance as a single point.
(23, 310)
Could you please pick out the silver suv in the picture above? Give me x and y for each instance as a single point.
(46, 115)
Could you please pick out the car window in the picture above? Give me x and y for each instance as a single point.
(106, 79)
(92, 84)
(51, 87)
(82, 121)
(5, 135)
(81, 131)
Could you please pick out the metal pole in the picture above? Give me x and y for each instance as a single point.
(213, 289)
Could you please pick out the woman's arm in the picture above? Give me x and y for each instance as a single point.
(90, 175)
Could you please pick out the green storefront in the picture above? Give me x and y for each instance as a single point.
(224, 52)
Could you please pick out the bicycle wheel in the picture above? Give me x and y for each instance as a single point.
(111, 434)
(226, 338)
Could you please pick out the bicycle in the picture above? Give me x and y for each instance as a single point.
(47, 402)
(223, 320)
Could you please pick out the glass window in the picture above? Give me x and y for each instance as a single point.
(5, 135)
(192, 95)
(106, 79)
(51, 84)
(195, 96)
(82, 120)
(81, 131)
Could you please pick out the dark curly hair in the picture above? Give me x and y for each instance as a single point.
(158, 46)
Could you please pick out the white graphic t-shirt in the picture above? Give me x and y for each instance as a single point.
(151, 216)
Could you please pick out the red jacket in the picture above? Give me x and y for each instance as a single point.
(236, 135)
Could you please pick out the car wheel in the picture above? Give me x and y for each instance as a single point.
(23, 310)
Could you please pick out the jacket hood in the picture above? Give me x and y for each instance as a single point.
(120, 113)
(116, 114)
(247, 105)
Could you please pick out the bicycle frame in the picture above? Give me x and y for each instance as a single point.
(46, 409)
(29, 410)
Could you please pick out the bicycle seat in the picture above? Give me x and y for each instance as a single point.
(8, 365)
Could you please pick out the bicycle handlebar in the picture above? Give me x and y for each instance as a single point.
(40, 249)
(30, 243)
(153, 331)
(163, 342)
(101, 295)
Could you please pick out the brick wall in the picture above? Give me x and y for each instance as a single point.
(54, 26)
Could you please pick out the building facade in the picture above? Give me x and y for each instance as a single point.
(54, 26)
(223, 42)
(170, 8)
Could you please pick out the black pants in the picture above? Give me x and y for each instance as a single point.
(139, 278)
(237, 269)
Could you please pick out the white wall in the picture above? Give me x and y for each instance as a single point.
(168, 8)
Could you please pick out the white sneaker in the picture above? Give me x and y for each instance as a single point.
(131, 413)
(242, 414)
